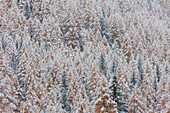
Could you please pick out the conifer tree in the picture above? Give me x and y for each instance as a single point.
(22, 75)
(114, 38)
(91, 86)
(135, 55)
(8, 87)
(154, 103)
(10, 94)
(16, 55)
(27, 11)
(87, 28)
(114, 67)
(136, 102)
(104, 102)
(103, 65)
(132, 81)
(114, 31)
(118, 95)
(166, 69)
(157, 73)
(64, 88)
(163, 94)
(148, 94)
(103, 31)
(140, 71)
(4, 44)
(155, 84)
(81, 103)
(149, 5)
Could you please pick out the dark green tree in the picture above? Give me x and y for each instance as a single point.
(154, 104)
(19, 45)
(135, 55)
(103, 65)
(155, 84)
(114, 67)
(104, 30)
(117, 93)
(132, 81)
(27, 11)
(46, 46)
(157, 73)
(140, 71)
(166, 69)
(15, 57)
(4, 44)
(64, 87)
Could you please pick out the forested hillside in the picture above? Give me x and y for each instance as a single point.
(84, 56)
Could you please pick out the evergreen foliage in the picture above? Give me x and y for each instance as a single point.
(118, 95)
(15, 60)
(149, 5)
(21, 77)
(4, 44)
(166, 69)
(103, 65)
(157, 73)
(114, 67)
(132, 81)
(27, 12)
(39, 39)
(46, 46)
(104, 31)
(64, 88)
(155, 84)
(135, 55)
(140, 71)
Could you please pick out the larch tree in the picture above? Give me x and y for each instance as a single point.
(115, 35)
(39, 39)
(81, 102)
(127, 48)
(31, 105)
(136, 102)
(8, 87)
(91, 85)
(9, 98)
(104, 102)
(149, 95)
(73, 88)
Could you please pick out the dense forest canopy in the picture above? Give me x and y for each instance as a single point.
(84, 56)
